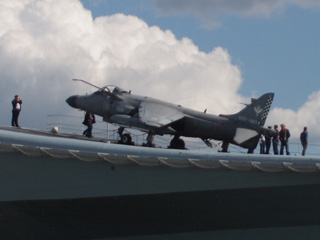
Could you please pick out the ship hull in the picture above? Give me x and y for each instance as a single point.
(46, 198)
(61, 188)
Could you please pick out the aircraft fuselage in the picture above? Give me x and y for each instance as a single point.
(160, 117)
(125, 112)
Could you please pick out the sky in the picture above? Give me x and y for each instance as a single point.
(205, 54)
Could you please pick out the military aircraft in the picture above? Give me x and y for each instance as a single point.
(158, 117)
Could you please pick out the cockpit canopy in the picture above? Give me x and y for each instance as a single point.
(113, 89)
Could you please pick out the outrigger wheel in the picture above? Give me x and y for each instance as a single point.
(177, 143)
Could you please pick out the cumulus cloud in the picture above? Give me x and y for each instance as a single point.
(210, 10)
(307, 115)
(44, 44)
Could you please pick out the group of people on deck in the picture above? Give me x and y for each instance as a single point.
(282, 139)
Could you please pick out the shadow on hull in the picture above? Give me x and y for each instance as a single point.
(151, 215)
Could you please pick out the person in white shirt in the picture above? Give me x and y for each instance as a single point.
(16, 109)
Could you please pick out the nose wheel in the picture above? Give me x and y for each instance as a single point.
(124, 138)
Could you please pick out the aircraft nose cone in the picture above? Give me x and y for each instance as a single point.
(72, 101)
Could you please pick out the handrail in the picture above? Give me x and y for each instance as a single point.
(73, 125)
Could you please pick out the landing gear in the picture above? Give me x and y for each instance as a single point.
(150, 139)
(207, 142)
(225, 146)
(177, 143)
(124, 138)
(250, 151)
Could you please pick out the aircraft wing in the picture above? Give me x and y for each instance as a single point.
(158, 114)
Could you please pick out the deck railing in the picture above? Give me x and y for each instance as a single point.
(101, 129)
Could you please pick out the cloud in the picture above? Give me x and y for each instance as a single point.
(307, 115)
(44, 44)
(209, 11)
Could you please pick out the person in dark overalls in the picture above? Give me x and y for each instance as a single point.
(89, 120)
(304, 140)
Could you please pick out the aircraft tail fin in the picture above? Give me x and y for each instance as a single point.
(255, 113)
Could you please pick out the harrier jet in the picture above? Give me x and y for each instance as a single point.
(154, 116)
